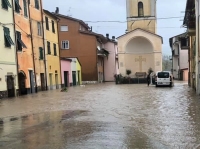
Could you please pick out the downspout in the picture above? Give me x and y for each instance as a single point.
(59, 52)
(197, 43)
(45, 67)
(33, 56)
(16, 54)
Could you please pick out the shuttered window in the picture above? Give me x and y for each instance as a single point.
(37, 6)
(17, 6)
(41, 57)
(6, 4)
(54, 48)
(25, 8)
(7, 38)
(20, 43)
(53, 27)
(47, 23)
(48, 47)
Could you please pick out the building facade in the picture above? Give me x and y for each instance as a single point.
(37, 37)
(74, 36)
(24, 47)
(180, 65)
(66, 72)
(52, 51)
(140, 48)
(8, 62)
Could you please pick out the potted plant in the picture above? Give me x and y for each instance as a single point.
(128, 72)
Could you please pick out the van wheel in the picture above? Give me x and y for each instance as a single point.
(156, 85)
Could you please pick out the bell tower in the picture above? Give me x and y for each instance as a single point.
(141, 14)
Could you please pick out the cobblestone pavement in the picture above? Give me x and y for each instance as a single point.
(104, 116)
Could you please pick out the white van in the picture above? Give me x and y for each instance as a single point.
(164, 78)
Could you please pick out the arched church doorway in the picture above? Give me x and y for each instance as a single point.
(22, 83)
(139, 45)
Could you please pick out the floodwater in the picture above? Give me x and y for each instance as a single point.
(104, 116)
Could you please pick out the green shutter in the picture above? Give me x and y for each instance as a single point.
(7, 37)
(6, 4)
(41, 53)
(17, 5)
(25, 8)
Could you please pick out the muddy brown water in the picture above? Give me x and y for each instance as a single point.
(104, 116)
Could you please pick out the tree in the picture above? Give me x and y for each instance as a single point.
(150, 70)
(128, 72)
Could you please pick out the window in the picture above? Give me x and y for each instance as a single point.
(6, 4)
(25, 8)
(48, 47)
(41, 57)
(17, 6)
(47, 23)
(20, 43)
(53, 27)
(37, 4)
(39, 29)
(7, 38)
(140, 9)
(54, 48)
(64, 28)
(65, 44)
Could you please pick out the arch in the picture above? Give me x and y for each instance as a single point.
(22, 83)
(139, 44)
(140, 9)
(22, 74)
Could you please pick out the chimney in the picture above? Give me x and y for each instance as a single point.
(113, 38)
(57, 10)
(107, 36)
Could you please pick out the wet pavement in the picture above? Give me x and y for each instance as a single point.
(104, 116)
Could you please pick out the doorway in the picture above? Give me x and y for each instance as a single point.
(32, 82)
(66, 80)
(42, 81)
(51, 81)
(56, 79)
(10, 86)
(74, 77)
(22, 83)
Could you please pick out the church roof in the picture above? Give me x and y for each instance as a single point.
(142, 30)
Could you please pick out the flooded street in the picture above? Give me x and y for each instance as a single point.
(105, 116)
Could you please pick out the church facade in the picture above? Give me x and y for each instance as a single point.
(140, 48)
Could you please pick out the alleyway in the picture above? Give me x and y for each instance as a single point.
(105, 116)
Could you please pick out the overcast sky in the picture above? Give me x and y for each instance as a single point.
(115, 10)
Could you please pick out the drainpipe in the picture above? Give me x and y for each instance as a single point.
(58, 31)
(33, 56)
(16, 55)
(197, 47)
(45, 67)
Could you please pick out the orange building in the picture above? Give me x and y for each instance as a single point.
(24, 48)
(37, 29)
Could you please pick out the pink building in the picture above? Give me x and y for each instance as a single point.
(111, 66)
(66, 72)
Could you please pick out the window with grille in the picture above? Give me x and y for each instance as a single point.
(65, 44)
(48, 47)
(140, 9)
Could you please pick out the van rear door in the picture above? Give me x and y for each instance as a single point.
(163, 78)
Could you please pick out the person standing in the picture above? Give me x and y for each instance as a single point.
(148, 79)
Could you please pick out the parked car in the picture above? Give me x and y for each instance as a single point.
(164, 78)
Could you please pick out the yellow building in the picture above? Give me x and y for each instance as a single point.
(78, 69)
(140, 48)
(52, 50)
(8, 63)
